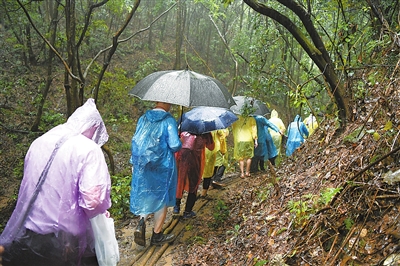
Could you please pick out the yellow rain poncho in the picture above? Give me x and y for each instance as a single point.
(244, 133)
(311, 123)
(276, 137)
(216, 157)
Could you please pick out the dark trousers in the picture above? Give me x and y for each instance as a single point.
(45, 250)
(218, 173)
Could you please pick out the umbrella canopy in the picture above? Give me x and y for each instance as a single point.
(204, 119)
(183, 87)
(250, 105)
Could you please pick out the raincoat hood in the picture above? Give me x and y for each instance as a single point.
(297, 118)
(156, 115)
(274, 113)
(87, 120)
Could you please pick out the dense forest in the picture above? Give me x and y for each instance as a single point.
(337, 60)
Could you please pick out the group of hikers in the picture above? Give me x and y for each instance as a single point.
(66, 183)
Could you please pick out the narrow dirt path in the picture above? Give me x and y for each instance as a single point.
(132, 254)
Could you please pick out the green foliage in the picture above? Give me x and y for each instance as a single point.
(302, 209)
(198, 240)
(258, 262)
(348, 223)
(327, 194)
(120, 196)
(235, 232)
(263, 193)
(220, 214)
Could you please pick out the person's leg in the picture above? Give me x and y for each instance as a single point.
(177, 207)
(261, 162)
(159, 218)
(272, 160)
(206, 186)
(219, 173)
(248, 163)
(241, 166)
(191, 200)
(254, 164)
(158, 238)
(140, 231)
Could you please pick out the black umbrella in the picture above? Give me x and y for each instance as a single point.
(183, 87)
(250, 105)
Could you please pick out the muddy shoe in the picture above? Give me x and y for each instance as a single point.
(140, 233)
(159, 239)
(177, 209)
(188, 215)
(217, 185)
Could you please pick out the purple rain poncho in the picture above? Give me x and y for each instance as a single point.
(297, 130)
(154, 176)
(75, 189)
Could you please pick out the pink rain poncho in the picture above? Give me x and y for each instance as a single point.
(50, 224)
(191, 160)
(154, 174)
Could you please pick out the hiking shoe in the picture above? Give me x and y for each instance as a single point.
(160, 239)
(140, 233)
(188, 215)
(177, 209)
(217, 185)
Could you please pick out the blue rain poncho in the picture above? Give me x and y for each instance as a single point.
(296, 133)
(265, 144)
(154, 175)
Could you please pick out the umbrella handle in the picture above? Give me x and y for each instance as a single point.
(180, 120)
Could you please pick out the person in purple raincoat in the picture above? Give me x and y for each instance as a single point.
(50, 224)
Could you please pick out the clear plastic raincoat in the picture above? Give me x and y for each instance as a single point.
(50, 224)
(296, 133)
(276, 137)
(154, 175)
(244, 133)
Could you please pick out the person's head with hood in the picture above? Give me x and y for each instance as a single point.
(87, 121)
(274, 114)
(297, 119)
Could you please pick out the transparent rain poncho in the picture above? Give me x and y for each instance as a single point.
(296, 133)
(51, 218)
(154, 175)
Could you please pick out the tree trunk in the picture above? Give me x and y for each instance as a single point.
(314, 48)
(53, 33)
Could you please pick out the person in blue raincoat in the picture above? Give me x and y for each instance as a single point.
(264, 148)
(154, 177)
(297, 130)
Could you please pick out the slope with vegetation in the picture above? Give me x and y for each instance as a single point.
(332, 203)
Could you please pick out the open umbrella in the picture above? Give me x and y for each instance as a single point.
(205, 119)
(183, 87)
(250, 105)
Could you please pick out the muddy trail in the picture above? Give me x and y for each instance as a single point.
(335, 202)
